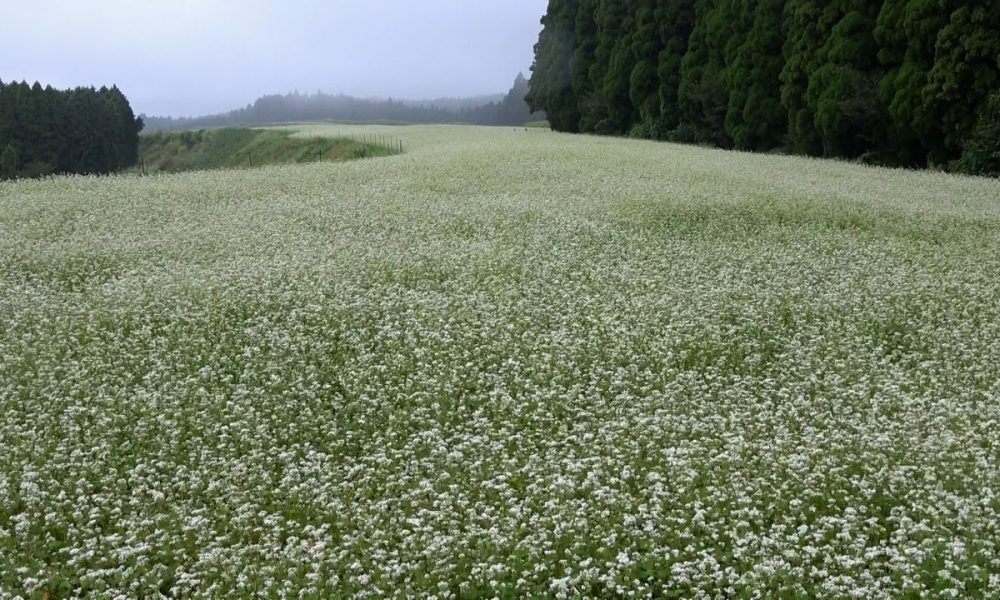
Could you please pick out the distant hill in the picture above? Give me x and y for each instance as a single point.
(499, 109)
(457, 104)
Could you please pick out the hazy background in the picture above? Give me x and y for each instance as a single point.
(193, 57)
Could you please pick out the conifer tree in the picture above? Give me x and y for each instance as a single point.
(10, 162)
(46, 131)
(900, 82)
(617, 85)
(550, 85)
(590, 106)
(808, 25)
(981, 154)
(739, 62)
(6, 114)
(613, 65)
(644, 82)
(676, 21)
(906, 32)
(704, 84)
(756, 120)
(966, 71)
(843, 92)
(696, 85)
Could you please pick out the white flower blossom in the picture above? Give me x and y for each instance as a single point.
(502, 364)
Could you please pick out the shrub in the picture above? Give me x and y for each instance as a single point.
(687, 134)
(653, 129)
(10, 162)
(982, 151)
(37, 168)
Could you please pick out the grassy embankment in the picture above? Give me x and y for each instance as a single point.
(243, 147)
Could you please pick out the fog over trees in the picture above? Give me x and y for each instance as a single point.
(86, 130)
(509, 109)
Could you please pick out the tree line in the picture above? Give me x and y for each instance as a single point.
(895, 82)
(510, 109)
(81, 130)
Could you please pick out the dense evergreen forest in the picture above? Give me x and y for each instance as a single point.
(83, 130)
(895, 82)
(510, 109)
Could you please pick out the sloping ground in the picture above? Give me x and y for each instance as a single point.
(505, 363)
(243, 147)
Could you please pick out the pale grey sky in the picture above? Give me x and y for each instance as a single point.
(192, 57)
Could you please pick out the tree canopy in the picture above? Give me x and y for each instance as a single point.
(896, 82)
(83, 130)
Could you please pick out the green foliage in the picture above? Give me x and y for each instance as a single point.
(36, 168)
(551, 85)
(675, 21)
(242, 147)
(847, 111)
(842, 94)
(704, 90)
(589, 109)
(966, 70)
(755, 118)
(906, 32)
(643, 81)
(10, 162)
(610, 110)
(982, 150)
(807, 27)
(617, 87)
(895, 82)
(74, 131)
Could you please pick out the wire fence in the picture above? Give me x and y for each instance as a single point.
(391, 144)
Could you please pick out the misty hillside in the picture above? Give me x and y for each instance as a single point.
(499, 109)
(457, 103)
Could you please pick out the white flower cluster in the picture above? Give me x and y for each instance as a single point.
(504, 364)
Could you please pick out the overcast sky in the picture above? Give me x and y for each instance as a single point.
(192, 57)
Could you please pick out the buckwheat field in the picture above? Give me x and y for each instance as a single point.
(502, 364)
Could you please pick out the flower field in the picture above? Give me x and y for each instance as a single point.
(505, 363)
